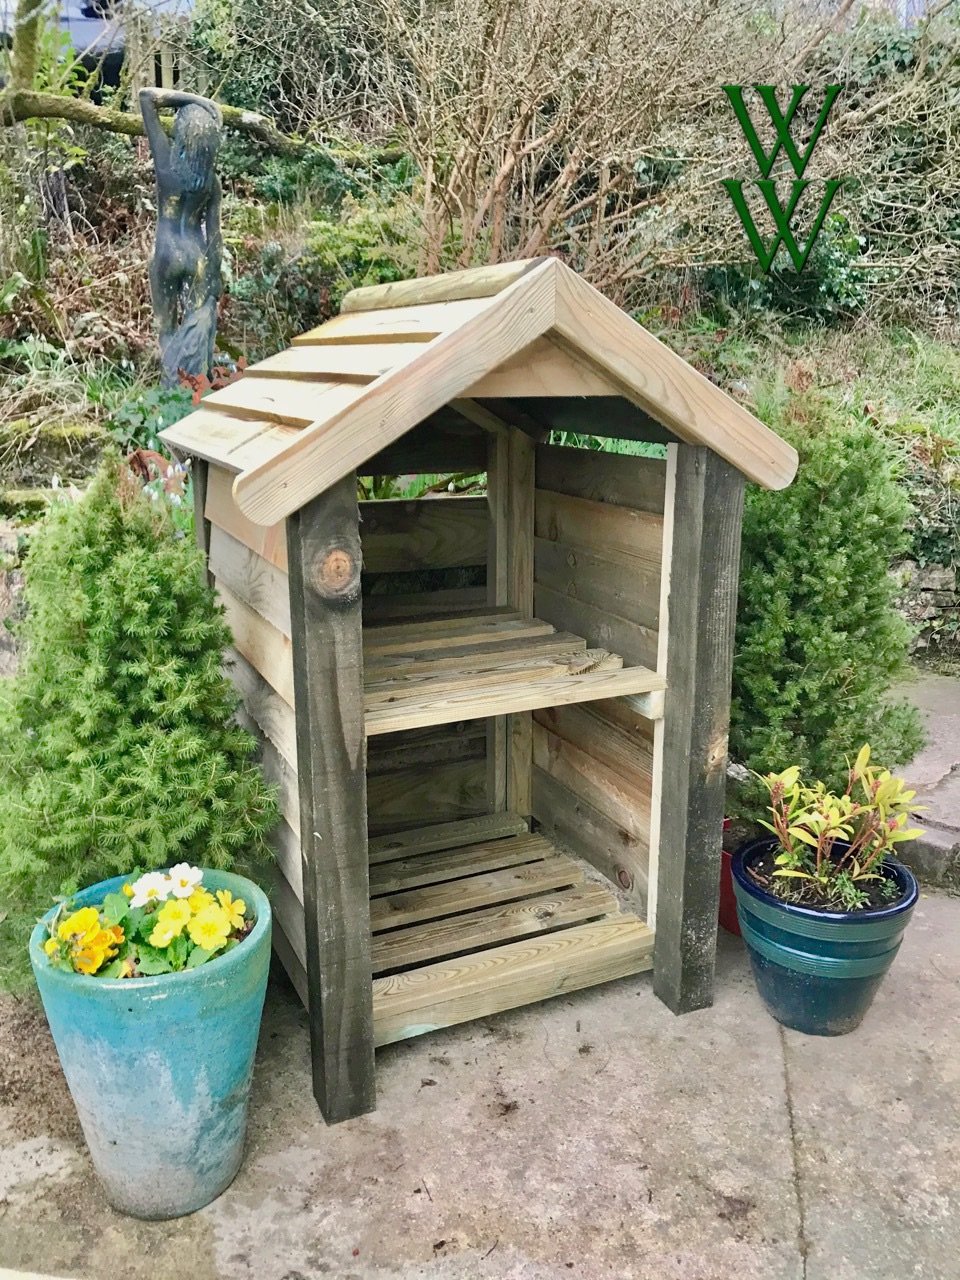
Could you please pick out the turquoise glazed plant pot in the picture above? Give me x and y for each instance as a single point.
(160, 1067)
(818, 971)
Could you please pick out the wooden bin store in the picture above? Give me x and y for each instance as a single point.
(498, 724)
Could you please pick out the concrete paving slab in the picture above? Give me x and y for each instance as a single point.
(594, 1136)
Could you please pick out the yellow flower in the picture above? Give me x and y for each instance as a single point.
(95, 947)
(210, 928)
(199, 899)
(127, 890)
(78, 925)
(51, 946)
(171, 919)
(234, 907)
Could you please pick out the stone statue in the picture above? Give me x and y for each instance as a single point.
(185, 271)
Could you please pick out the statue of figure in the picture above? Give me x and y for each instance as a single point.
(185, 271)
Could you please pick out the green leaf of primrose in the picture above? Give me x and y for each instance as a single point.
(116, 907)
(198, 956)
(152, 961)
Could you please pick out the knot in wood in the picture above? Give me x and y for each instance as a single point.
(336, 574)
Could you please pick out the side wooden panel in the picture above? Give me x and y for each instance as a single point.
(432, 533)
(705, 559)
(597, 572)
(324, 556)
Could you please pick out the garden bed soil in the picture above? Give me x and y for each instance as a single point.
(761, 870)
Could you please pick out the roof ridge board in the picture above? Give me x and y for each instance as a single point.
(450, 286)
(386, 408)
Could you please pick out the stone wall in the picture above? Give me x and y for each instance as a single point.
(929, 600)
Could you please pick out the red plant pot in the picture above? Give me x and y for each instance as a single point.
(728, 900)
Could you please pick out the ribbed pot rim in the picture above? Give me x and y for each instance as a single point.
(220, 966)
(748, 852)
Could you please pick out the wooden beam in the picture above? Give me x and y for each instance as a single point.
(453, 286)
(520, 517)
(201, 525)
(323, 546)
(705, 558)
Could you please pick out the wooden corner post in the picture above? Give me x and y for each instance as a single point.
(323, 543)
(705, 563)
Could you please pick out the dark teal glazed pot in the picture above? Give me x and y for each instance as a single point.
(818, 971)
(159, 1068)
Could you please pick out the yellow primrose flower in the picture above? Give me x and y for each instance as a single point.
(127, 890)
(78, 925)
(234, 907)
(51, 946)
(199, 899)
(96, 947)
(171, 919)
(210, 928)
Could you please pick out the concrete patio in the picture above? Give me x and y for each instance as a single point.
(594, 1136)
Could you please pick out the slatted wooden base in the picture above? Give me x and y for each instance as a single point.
(471, 918)
(492, 663)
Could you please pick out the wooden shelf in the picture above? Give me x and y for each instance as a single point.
(464, 930)
(493, 663)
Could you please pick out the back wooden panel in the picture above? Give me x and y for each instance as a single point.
(597, 566)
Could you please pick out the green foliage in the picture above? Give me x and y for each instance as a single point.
(830, 287)
(367, 245)
(136, 423)
(117, 748)
(818, 641)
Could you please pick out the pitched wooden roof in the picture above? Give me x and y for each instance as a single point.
(301, 420)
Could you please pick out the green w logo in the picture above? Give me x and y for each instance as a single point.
(782, 217)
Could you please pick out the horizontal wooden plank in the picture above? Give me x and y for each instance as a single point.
(385, 686)
(433, 745)
(396, 324)
(619, 853)
(605, 584)
(433, 902)
(598, 736)
(410, 797)
(445, 441)
(624, 801)
(621, 480)
(385, 640)
(212, 436)
(452, 286)
(270, 542)
(599, 527)
(380, 607)
(267, 650)
(446, 835)
(455, 864)
(411, 709)
(284, 400)
(322, 362)
(430, 661)
(434, 533)
(255, 581)
(289, 873)
(602, 629)
(264, 706)
(489, 927)
(518, 973)
(276, 771)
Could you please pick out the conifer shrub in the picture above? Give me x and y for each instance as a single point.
(819, 642)
(117, 748)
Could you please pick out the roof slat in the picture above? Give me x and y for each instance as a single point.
(362, 361)
(284, 400)
(404, 324)
(453, 286)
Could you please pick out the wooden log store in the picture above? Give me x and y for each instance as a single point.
(498, 724)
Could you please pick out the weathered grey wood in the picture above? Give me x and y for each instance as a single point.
(445, 441)
(702, 609)
(323, 547)
(620, 479)
(605, 584)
